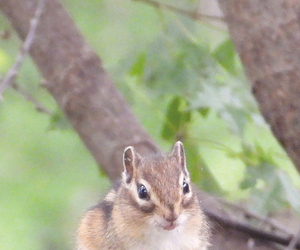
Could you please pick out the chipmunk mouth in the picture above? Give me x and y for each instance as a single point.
(170, 226)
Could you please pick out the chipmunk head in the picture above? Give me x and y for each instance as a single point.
(159, 187)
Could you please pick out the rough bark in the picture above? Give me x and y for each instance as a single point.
(77, 80)
(266, 34)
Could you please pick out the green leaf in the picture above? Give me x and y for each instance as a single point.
(225, 55)
(172, 121)
(248, 182)
(186, 117)
(237, 118)
(137, 69)
(225, 103)
(177, 119)
(177, 65)
(271, 188)
(290, 192)
(203, 112)
(267, 199)
(59, 121)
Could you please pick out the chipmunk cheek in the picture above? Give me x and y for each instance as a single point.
(187, 202)
(148, 209)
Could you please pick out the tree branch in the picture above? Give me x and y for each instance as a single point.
(294, 243)
(191, 14)
(272, 224)
(12, 73)
(38, 106)
(253, 231)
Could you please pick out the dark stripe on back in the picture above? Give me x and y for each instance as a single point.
(106, 207)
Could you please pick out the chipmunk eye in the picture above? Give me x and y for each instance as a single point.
(143, 193)
(185, 187)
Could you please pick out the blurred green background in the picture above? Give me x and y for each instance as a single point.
(47, 177)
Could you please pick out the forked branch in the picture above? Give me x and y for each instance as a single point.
(12, 73)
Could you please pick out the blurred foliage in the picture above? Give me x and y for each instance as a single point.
(184, 81)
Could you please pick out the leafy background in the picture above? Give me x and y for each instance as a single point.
(184, 81)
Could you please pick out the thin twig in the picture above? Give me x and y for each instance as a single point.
(192, 14)
(294, 241)
(38, 106)
(12, 73)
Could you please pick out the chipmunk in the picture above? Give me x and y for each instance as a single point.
(153, 208)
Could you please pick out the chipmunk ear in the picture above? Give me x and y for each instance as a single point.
(130, 160)
(178, 152)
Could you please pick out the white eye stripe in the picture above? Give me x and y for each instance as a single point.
(134, 190)
(181, 178)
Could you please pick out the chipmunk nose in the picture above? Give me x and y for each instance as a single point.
(171, 217)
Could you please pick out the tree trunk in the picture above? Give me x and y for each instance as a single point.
(75, 77)
(266, 34)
